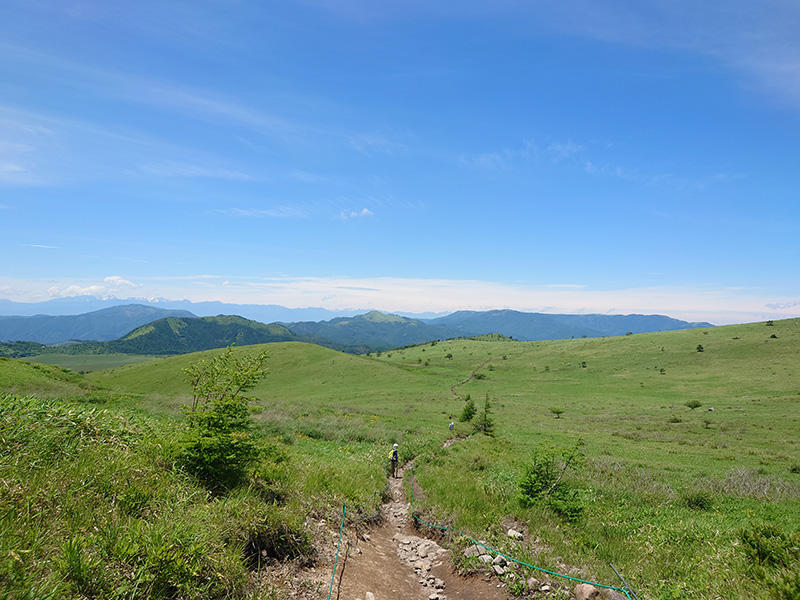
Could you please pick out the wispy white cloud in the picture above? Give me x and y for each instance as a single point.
(757, 40)
(39, 246)
(173, 169)
(662, 179)
(296, 211)
(489, 161)
(783, 305)
(372, 144)
(110, 286)
(527, 153)
(364, 212)
(558, 151)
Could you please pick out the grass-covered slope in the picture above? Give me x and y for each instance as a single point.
(370, 332)
(180, 335)
(92, 506)
(46, 381)
(683, 501)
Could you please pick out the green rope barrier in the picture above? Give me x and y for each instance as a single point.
(341, 528)
(339, 543)
(476, 542)
(519, 562)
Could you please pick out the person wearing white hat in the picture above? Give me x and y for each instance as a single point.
(394, 459)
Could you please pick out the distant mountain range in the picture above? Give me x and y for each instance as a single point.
(151, 330)
(266, 313)
(100, 325)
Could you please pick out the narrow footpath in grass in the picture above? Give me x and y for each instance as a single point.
(392, 562)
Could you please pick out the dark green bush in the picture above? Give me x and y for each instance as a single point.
(542, 482)
(698, 500)
(217, 447)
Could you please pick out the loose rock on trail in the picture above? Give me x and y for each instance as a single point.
(392, 562)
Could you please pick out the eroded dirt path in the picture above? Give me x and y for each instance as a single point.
(392, 562)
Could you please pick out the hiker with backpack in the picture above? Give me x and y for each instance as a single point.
(394, 457)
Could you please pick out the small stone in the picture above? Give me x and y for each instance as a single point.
(499, 560)
(370, 596)
(498, 570)
(585, 591)
(612, 595)
(514, 534)
(533, 583)
(438, 584)
(485, 558)
(433, 596)
(545, 588)
(422, 565)
(473, 550)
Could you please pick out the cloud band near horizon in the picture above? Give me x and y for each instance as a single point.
(719, 306)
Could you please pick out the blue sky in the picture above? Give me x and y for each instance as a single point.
(582, 156)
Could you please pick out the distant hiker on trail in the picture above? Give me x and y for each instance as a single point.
(452, 425)
(394, 458)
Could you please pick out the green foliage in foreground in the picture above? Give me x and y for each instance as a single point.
(93, 508)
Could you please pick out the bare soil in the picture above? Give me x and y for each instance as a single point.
(381, 563)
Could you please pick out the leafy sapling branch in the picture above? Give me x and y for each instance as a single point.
(217, 446)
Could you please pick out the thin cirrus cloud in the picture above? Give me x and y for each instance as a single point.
(756, 40)
(172, 169)
(277, 212)
(529, 152)
(182, 100)
(353, 214)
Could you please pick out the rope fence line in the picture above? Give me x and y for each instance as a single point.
(625, 590)
(519, 562)
(341, 529)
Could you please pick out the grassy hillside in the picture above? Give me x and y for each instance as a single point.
(680, 499)
(45, 381)
(85, 363)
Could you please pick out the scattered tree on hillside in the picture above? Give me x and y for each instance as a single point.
(484, 423)
(557, 412)
(694, 404)
(700, 348)
(469, 410)
(217, 447)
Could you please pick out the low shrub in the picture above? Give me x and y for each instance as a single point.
(698, 500)
(543, 482)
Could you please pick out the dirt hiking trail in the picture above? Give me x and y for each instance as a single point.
(392, 562)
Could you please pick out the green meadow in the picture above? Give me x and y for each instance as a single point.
(686, 478)
(85, 363)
